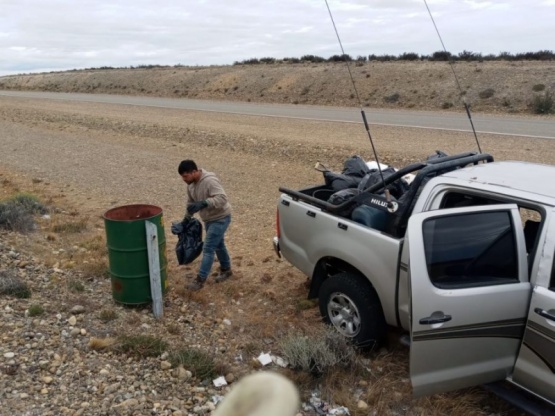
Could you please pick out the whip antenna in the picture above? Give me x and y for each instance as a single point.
(461, 95)
(386, 191)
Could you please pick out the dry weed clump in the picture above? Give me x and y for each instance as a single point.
(75, 286)
(16, 213)
(12, 285)
(99, 344)
(72, 227)
(141, 345)
(107, 315)
(318, 353)
(199, 363)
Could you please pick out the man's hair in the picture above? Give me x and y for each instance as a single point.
(187, 166)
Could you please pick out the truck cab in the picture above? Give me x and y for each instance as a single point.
(479, 258)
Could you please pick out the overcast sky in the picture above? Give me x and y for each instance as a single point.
(47, 35)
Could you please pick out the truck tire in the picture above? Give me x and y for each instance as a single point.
(349, 303)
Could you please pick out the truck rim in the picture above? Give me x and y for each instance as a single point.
(344, 314)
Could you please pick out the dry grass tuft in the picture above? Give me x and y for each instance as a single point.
(107, 315)
(141, 345)
(70, 227)
(173, 329)
(98, 344)
(199, 363)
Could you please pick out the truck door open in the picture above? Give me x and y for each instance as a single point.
(535, 366)
(469, 296)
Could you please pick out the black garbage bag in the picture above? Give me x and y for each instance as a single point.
(353, 171)
(189, 243)
(355, 166)
(339, 181)
(397, 188)
(344, 195)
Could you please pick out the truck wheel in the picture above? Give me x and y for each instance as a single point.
(351, 305)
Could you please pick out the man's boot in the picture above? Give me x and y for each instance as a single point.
(197, 284)
(224, 275)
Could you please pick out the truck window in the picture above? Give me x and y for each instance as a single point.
(470, 250)
(531, 218)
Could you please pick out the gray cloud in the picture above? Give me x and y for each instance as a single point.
(44, 35)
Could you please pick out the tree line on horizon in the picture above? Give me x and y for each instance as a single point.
(545, 55)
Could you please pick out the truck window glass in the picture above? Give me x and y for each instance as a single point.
(469, 250)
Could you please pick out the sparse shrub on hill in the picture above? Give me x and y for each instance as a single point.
(538, 87)
(312, 58)
(292, 60)
(487, 93)
(340, 58)
(409, 56)
(469, 56)
(393, 98)
(441, 56)
(267, 60)
(543, 104)
(382, 58)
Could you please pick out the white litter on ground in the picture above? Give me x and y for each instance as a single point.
(264, 359)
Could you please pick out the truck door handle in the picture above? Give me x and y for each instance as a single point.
(311, 214)
(545, 314)
(435, 320)
(342, 226)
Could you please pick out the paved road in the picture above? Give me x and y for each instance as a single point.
(534, 127)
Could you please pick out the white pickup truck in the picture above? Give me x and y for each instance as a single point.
(464, 264)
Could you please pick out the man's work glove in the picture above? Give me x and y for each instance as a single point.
(194, 207)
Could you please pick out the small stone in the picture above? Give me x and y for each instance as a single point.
(72, 320)
(362, 405)
(47, 380)
(75, 331)
(83, 331)
(183, 374)
(77, 309)
(44, 391)
(23, 395)
(226, 322)
(230, 378)
(104, 372)
(165, 365)
(127, 403)
(9, 355)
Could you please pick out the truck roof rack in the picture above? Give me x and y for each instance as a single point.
(423, 172)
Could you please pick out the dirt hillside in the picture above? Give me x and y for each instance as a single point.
(489, 87)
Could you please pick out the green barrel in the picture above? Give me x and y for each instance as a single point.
(128, 253)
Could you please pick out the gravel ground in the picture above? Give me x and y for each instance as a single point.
(89, 158)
